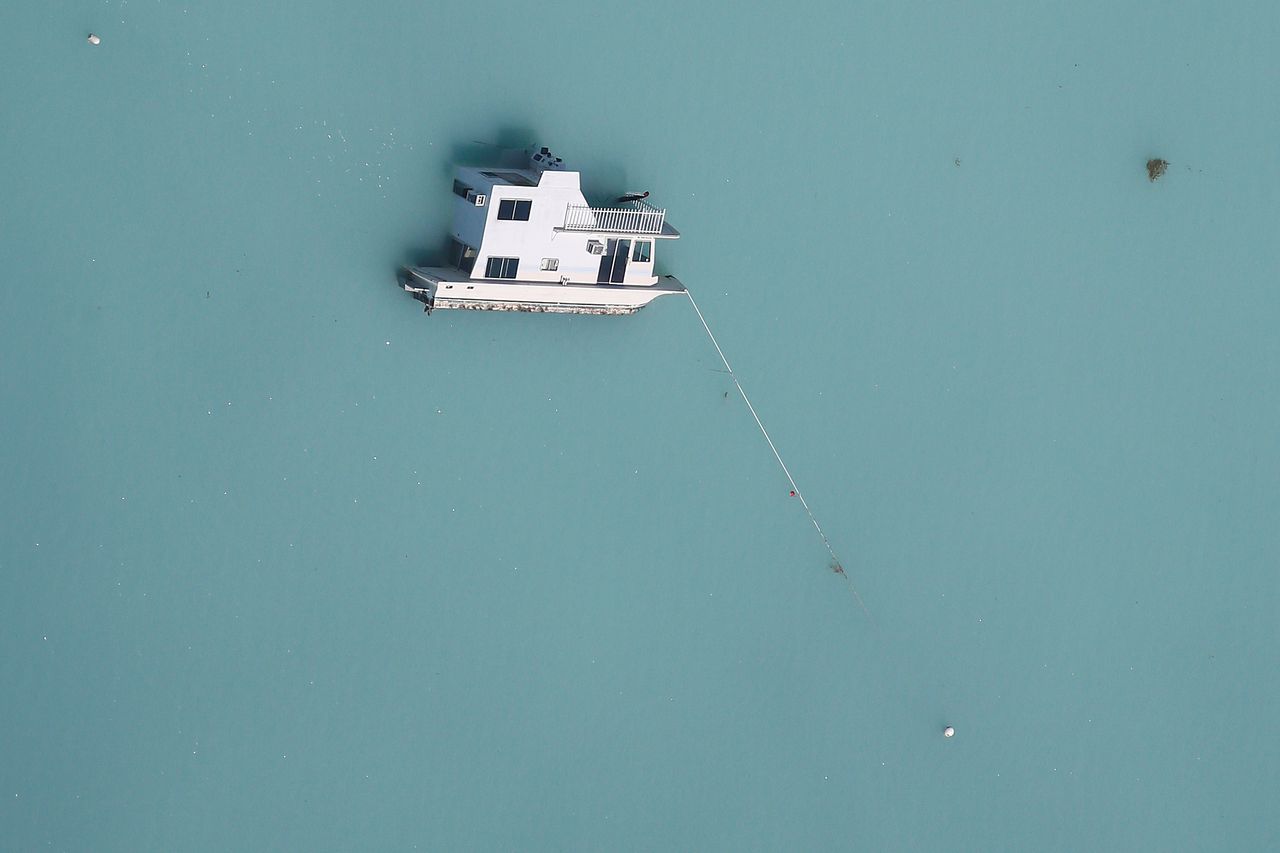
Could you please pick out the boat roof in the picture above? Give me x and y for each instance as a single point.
(487, 177)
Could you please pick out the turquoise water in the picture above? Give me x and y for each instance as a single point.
(289, 566)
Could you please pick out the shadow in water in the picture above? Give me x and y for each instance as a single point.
(504, 148)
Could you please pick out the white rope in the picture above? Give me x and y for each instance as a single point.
(836, 565)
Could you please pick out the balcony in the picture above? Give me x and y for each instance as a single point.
(639, 219)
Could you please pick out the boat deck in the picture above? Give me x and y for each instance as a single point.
(448, 287)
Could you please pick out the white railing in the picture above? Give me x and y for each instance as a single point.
(641, 219)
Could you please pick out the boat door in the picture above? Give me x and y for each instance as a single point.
(613, 266)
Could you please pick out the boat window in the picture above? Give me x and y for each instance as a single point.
(551, 264)
(502, 268)
(514, 209)
(462, 256)
(641, 253)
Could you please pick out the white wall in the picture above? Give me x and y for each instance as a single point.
(537, 238)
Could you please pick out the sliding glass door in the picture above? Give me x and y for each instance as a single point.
(613, 265)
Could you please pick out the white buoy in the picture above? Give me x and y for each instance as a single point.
(949, 731)
(93, 39)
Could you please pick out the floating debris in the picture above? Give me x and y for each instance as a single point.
(94, 39)
(1156, 168)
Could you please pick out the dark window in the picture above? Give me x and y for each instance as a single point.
(461, 189)
(501, 268)
(462, 256)
(513, 209)
(641, 253)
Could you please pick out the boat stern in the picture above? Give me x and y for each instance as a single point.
(419, 284)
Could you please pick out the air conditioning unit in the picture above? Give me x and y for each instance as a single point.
(595, 247)
(479, 200)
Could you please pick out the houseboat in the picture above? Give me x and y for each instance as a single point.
(527, 239)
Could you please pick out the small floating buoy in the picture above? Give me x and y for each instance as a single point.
(949, 731)
(93, 39)
(793, 493)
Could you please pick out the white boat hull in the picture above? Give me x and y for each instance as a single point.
(445, 288)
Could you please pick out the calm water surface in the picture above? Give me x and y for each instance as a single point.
(289, 566)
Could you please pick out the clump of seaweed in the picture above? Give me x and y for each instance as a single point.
(1156, 168)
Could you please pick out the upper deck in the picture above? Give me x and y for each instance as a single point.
(637, 218)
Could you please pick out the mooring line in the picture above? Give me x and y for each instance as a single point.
(836, 565)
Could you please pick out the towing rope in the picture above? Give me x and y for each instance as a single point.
(836, 565)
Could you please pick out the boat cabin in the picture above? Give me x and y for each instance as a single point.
(535, 224)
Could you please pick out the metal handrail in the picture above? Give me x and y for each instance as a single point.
(641, 219)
